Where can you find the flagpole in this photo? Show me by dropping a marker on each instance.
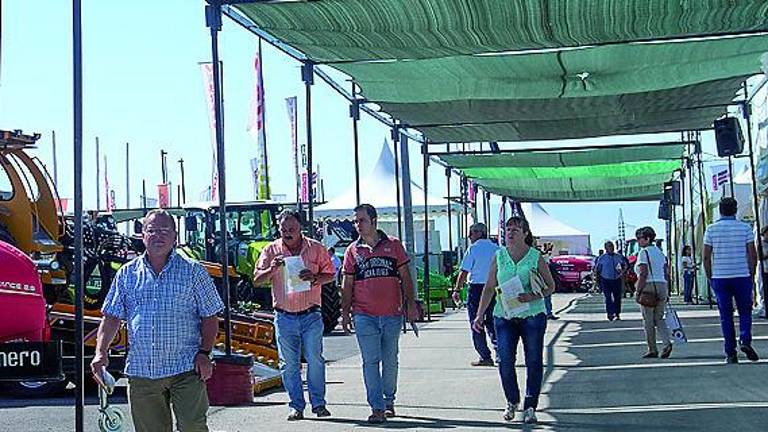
(98, 177)
(263, 122)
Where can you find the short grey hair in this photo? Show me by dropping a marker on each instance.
(160, 212)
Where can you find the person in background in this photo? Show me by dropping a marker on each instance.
(763, 272)
(513, 264)
(336, 261)
(546, 252)
(609, 271)
(688, 274)
(475, 265)
(377, 291)
(651, 269)
(298, 319)
(730, 259)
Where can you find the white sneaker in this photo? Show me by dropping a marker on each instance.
(509, 412)
(529, 416)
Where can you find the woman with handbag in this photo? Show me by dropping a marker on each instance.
(652, 291)
(520, 279)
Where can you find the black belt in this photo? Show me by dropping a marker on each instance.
(304, 312)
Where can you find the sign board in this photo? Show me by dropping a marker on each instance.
(28, 361)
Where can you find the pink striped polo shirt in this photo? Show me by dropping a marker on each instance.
(316, 259)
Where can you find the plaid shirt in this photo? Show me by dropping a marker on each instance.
(163, 313)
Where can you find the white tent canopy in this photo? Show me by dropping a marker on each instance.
(549, 229)
(378, 189)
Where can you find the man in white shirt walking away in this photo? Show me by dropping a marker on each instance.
(477, 263)
(730, 260)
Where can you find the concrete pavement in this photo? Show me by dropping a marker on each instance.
(595, 381)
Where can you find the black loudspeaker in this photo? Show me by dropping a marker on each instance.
(728, 136)
(665, 212)
(672, 192)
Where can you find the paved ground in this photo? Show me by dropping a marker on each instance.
(595, 381)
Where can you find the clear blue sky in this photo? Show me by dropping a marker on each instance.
(142, 85)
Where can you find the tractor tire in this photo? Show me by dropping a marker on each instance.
(331, 307)
(5, 235)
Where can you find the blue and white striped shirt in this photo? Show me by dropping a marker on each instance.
(163, 313)
(728, 239)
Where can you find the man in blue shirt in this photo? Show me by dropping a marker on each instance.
(730, 260)
(609, 270)
(477, 263)
(169, 304)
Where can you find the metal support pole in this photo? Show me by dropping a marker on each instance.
(354, 113)
(77, 84)
(395, 139)
(127, 176)
(213, 21)
(448, 208)
(747, 111)
(425, 152)
(410, 237)
(55, 161)
(183, 190)
(700, 171)
(308, 76)
(98, 176)
(730, 175)
(675, 251)
(692, 225)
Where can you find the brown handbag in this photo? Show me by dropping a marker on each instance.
(648, 298)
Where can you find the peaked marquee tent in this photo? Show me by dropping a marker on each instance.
(378, 189)
(549, 229)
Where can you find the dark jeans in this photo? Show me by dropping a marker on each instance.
(531, 330)
(478, 338)
(726, 290)
(612, 289)
(688, 287)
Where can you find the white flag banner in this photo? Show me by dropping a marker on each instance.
(210, 97)
(257, 130)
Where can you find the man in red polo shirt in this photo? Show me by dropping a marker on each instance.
(298, 320)
(376, 279)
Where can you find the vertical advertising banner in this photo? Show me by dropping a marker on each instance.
(207, 70)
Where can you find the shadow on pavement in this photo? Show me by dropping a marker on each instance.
(610, 388)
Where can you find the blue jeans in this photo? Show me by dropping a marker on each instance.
(548, 305)
(688, 287)
(297, 333)
(612, 290)
(531, 330)
(726, 290)
(478, 338)
(378, 338)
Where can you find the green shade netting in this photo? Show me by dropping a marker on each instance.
(635, 172)
(567, 158)
(661, 102)
(627, 169)
(645, 188)
(588, 72)
(330, 30)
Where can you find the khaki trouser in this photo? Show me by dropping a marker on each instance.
(653, 317)
(151, 401)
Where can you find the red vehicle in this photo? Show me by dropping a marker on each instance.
(27, 357)
(574, 272)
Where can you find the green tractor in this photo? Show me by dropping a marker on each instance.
(251, 226)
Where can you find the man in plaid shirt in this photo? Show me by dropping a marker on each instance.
(169, 304)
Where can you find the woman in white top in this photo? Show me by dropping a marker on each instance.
(651, 272)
